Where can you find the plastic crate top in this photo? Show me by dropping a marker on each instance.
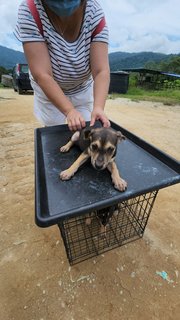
(144, 167)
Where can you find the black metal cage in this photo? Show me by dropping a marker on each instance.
(84, 240)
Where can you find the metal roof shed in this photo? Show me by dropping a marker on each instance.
(119, 82)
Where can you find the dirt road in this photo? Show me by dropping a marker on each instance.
(36, 282)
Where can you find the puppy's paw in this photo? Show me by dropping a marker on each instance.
(120, 184)
(64, 148)
(103, 232)
(66, 174)
(115, 213)
(88, 221)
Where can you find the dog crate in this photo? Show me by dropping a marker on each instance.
(67, 203)
(83, 241)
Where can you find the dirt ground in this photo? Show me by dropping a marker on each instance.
(36, 281)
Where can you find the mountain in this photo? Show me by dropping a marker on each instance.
(125, 60)
(9, 57)
(118, 60)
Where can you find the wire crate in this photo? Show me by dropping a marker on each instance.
(84, 240)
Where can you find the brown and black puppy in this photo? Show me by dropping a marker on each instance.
(104, 216)
(100, 145)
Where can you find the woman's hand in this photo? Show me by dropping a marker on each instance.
(98, 114)
(75, 120)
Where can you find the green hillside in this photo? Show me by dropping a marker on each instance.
(118, 60)
(124, 60)
(9, 57)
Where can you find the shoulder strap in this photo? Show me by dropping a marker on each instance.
(37, 19)
(35, 15)
(99, 28)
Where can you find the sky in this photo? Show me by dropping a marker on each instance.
(134, 25)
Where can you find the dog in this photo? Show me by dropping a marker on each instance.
(100, 145)
(104, 216)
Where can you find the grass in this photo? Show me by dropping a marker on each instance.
(167, 97)
(4, 87)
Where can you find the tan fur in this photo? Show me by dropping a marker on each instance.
(67, 146)
(67, 174)
(118, 182)
(107, 157)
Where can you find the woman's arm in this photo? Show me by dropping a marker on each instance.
(101, 75)
(40, 65)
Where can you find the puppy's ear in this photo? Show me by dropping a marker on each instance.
(120, 136)
(87, 133)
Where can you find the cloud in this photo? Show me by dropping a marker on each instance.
(134, 26)
(143, 25)
(156, 43)
(8, 19)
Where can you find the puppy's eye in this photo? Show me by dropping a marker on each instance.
(110, 150)
(94, 147)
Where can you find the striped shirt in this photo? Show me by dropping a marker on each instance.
(70, 60)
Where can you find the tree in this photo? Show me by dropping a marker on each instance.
(4, 71)
(174, 65)
(171, 65)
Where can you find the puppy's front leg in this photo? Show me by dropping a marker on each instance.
(118, 182)
(67, 146)
(68, 173)
(70, 143)
(103, 231)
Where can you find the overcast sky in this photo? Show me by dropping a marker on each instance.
(134, 25)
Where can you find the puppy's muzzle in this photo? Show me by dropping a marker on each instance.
(99, 166)
(99, 163)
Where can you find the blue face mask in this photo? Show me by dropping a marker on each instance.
(63, 8)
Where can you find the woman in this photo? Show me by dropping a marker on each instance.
(69, 66)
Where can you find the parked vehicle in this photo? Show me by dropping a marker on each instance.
(21, 81)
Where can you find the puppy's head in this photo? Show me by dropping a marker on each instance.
(102, 145)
